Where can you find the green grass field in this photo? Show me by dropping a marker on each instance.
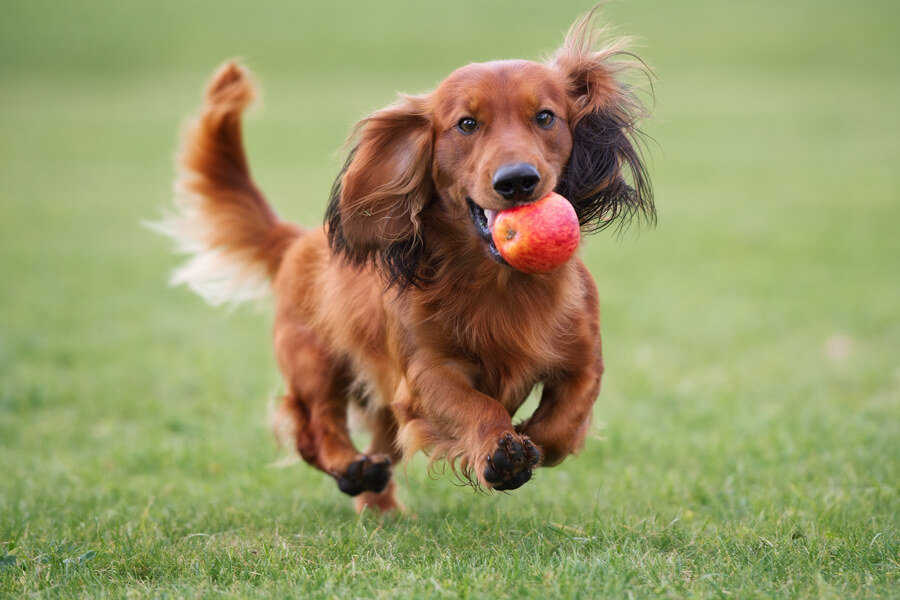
(747, 440)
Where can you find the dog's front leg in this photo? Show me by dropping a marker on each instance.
(440, 410)
(561, 421)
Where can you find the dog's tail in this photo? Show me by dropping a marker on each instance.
(235, 240)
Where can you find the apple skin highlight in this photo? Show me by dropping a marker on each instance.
(538, 237)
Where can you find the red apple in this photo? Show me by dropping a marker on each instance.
(537, 237)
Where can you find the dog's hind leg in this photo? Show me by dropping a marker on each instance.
(316, 403)
(384, 443)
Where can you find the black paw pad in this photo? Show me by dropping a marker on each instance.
(511, 463)
(368, 474)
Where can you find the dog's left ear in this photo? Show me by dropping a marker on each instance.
(375, 203)
(603, 120)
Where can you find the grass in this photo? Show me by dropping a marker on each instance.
(746, 440)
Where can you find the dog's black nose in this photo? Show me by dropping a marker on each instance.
(516, 181)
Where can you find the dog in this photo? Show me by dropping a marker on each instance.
(400, 303)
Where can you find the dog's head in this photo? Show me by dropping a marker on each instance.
(491, 136)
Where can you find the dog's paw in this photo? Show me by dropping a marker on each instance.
(368, 474)
(511, 463)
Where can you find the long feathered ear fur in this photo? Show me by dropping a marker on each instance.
(604, 130)
(373, 214)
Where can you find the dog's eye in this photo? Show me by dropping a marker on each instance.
(467, 125)
(545, 119)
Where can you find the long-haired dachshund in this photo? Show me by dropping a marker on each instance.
(401, 304)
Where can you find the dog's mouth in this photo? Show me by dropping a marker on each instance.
(483, 220)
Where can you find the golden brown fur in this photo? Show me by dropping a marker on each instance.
(398, 304)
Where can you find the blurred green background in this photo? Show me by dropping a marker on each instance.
(752, 338)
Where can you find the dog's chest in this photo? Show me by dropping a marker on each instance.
(510, 344)
(507, 336)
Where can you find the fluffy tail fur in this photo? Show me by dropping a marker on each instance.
(220, 217)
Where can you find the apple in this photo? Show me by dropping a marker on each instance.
(537, 237)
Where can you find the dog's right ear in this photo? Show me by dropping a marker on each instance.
(385, 184)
